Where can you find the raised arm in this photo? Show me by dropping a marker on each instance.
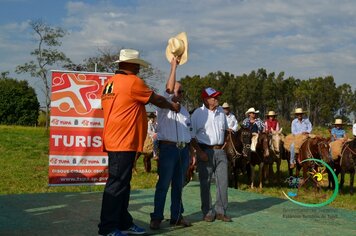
(172, 76)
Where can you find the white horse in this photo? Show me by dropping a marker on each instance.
(276, 148)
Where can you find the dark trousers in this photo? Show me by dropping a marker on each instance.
(114, 208)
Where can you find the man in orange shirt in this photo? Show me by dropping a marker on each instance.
(125, 128)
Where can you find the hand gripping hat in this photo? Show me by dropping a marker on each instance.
(178, 47)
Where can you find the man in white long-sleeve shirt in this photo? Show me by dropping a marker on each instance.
(231, 119)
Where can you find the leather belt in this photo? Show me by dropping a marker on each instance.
(205, 146)
(167, 142)
(171, 143)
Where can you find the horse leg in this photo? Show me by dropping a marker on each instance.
(134, 169)
(352, 176)
(342, 180)
(236, 174)
(270, 172)
(252, 173)
(278, 173)
(262, 168)
(147, 161)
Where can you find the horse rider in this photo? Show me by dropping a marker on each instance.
(255, 124)
(231, 119)
(299, 125)
(271, 123)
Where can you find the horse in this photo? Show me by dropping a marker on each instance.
(237, 148)
(348, 163)
(259, 157)
(317, 148)
(147, 155)
(276, 152)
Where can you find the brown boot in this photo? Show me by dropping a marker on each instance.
(209, 218)
(155, 224)
(180, 222)
(224, 218)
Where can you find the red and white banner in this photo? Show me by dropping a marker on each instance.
(76, 123)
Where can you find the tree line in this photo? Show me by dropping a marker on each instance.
(320, 97)
(265, 91)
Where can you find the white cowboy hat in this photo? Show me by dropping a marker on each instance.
(271, 113)
(131, 56)
(225, 105)
(252, 110)
(299, 111)
(178, 47)
(338, 122)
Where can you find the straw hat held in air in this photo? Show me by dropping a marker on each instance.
(178, 47)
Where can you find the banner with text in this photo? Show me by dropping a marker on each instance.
(76, 123)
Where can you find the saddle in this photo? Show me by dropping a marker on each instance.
(298, 140)
(336, 148)
(148, 145)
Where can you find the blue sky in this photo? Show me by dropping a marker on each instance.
(305, 38)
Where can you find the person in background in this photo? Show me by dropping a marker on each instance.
(231, 119)
(209, 129)
(173, 133)
(255, 124)
(123, 102)
(300, 125)
(152, 132)
(271, 123)
(338, 131)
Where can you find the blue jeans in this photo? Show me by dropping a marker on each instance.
(292, 154)
(172, 168)
(114, 208)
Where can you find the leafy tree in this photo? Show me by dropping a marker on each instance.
(104, 62)
(46, 55)
(19, 104)
(346, 101)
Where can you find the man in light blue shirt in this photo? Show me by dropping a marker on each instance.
(300, 125)
(338, 132)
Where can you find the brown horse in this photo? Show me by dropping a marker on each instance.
(237, 148)
(317, 148)
(259, 157)
(348, 163)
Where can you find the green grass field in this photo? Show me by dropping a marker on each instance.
(24, 169)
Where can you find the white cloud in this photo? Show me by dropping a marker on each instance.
(305, 38)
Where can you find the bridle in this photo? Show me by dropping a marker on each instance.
(235, 153)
